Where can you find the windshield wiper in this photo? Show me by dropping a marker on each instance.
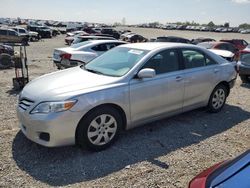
(93, 71)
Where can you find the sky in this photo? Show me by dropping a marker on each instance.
(134, 11)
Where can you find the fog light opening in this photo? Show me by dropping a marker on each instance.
(44, 136)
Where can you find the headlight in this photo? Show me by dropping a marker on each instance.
(48, 107)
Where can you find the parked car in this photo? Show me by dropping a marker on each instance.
(90, 37)
(240, 44)
(229, 56)
(71, 34)
(69, 39)
(6, 49)
(125, 87)
(227, 174)
(246, 31)
(11, 36)
(221, 46)
(31, 35)
(85, 52)
(201, 39)
(124, 35)
(111, 32)
(244, 66)
(172, 39)
(43, 32)
(133, 38)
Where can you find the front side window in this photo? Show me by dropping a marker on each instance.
(193, 59)
(116, 62)
(164, 62)
(3, 32)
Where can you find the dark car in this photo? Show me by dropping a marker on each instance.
(200, 40)
(43, 32)
(110, 31)
(229, 174)
(6, 49)
(172, 39)
(133, 38)
(240, 44)
(244, 66)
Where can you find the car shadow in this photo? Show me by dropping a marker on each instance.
(68, 165)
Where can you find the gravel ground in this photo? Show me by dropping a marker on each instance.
(166, 153)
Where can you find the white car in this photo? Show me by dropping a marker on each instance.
(83, 52)
(31, 34)
(224, 54)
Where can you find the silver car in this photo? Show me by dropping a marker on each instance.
(125, 87)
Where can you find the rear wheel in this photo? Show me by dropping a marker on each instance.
(99, 129)
(217, 99)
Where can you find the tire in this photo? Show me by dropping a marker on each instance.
(5, 61)
(217, 99)
(99, 128)
(245, 78)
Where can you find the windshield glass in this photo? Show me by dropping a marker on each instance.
(116, 62)
(81, 44)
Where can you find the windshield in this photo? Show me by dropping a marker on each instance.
(116, 62)
(81, 44)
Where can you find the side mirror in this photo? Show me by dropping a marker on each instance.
(146, 73)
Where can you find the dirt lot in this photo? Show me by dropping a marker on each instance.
(166, 153)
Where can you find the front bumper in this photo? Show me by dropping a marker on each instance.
(59, 127)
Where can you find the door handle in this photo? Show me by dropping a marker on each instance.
(178, 78)
(216, 70)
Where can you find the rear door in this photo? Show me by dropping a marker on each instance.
(201, 75)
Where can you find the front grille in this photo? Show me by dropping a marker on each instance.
(25, 103)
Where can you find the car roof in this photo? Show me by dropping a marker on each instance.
(156, 45)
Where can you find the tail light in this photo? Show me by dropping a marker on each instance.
(200, 180)
(66, 56)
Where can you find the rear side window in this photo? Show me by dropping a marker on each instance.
(193, 59)
(100, 48)
(3, 32)
(164, 62)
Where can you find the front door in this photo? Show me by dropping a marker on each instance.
(160, 95)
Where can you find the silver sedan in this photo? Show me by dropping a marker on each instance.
(125, 87)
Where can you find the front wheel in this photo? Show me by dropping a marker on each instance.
(99, 129)
(217, 99)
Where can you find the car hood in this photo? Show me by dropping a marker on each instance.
(33, 33)
(64, 84)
